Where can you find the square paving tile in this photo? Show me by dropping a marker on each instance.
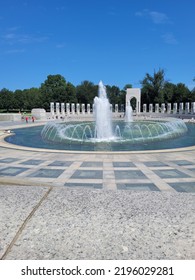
(92, 164)
(188, 187)
(138, 187)
(87, 174)
(61, 163)
(47, 173)
(123, 164)
(192, 169)
(8, 160)
(83, 185)
(155, 163)
(129, 174)
(32, 162)
(182, 162)
(12, 171)
(172, 173)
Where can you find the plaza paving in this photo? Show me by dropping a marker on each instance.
(96, 205)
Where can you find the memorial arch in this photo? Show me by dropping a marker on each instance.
(134, 93)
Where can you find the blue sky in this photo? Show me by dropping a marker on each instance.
(116, 41)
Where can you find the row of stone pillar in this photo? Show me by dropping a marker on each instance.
(181, 108)
(72, 108)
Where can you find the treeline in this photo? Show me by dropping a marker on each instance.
(56, 89)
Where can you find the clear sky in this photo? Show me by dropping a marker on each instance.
(116, 41)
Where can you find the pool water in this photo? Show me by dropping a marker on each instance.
(31, 137)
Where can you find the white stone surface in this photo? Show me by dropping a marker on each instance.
(99, 224)
(134, 92)
(10, 117)
(39, 113)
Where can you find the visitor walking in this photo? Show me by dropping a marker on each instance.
(26, 119)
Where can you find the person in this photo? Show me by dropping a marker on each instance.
(33, 119)
(26, 119)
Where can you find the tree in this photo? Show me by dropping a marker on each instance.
(71, 96)
(168, 92)
(152, 87)
(19, 100)
(127, 86)
(86, 92)
(53, 90)
(181, 93)
(113, 93)
(6, 99)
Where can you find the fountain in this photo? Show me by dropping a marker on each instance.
(103, 128)
(128, 113)
(105, 134)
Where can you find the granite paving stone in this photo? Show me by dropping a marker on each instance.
(8, 160)
(100, 205)
(183, 162)
(129, 174)
(99, 224)
(188, 187)
(173, 173)
(155, 164)
(92, 164)
(16, 203)
(123, 164)
(12, 171)
(87, 174)
(32, 162)
(138, 187)
(47, 173)
(85, 185)
(61, 163)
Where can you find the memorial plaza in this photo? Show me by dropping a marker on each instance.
(95, 205)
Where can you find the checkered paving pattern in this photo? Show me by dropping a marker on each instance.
(101, 171)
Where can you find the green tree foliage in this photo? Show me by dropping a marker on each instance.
(113, 94)
(71, 96)
(152, 87)
(169, 90)
(86, 92)
(181, 94)
(55, 89)
(6, 99)
(156, 90)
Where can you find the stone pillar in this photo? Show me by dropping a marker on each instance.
(88, 109)
(111, 107)
(181, 108)
(67, 108)
(193, 108)
(78, 108)
(187, 108)
(150, 108)
(57, 108)
(175, 108)
(93, 108)
(73, 108)
(83, 108)
(156, 108)
(144, 108)
(169, 108)
(163, 108)
(52, 108)
(62, 109)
